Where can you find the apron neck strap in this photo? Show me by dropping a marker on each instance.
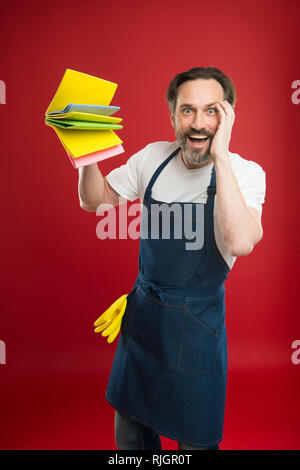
(158, 171)
(211, 189)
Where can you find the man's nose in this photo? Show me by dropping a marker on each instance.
(199, 121)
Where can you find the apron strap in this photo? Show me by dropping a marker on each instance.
(211, 189)
(209, 206)
(161, 290)
(157, 172)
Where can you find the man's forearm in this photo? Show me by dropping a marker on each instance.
(240, 228)
(91, 186)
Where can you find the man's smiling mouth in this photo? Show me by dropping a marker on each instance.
(198, 138)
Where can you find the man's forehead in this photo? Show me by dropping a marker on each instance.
(206, 91)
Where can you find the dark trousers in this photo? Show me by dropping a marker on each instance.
(132, 435)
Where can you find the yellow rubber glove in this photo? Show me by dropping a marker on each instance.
(110, 321)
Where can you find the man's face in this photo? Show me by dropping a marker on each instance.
(196, 116)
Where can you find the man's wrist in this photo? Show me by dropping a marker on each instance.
(222, 161)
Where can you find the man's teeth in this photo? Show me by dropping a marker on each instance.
(199, 137)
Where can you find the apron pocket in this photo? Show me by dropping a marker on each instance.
(199, 345)
(170, 334)
(155, 329)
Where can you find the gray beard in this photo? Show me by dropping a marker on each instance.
(194, 157)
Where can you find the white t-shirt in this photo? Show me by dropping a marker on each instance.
(176, 182)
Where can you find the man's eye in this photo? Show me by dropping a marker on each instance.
(187, 110)
(212, 109)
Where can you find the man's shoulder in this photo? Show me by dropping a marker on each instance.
(152, 154)
(242, 165)
(161, 146)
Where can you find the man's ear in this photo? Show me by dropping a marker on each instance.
(172, 120)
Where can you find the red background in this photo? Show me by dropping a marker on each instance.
(58, 277)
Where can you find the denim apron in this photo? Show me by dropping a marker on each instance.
(170, 367)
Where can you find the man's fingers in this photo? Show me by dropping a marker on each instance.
(226, 112)
(221, 112)
(228, 109)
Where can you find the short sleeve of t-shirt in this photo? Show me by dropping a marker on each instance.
(252, 182)
(125, 179)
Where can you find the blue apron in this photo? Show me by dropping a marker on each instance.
(170, 367)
